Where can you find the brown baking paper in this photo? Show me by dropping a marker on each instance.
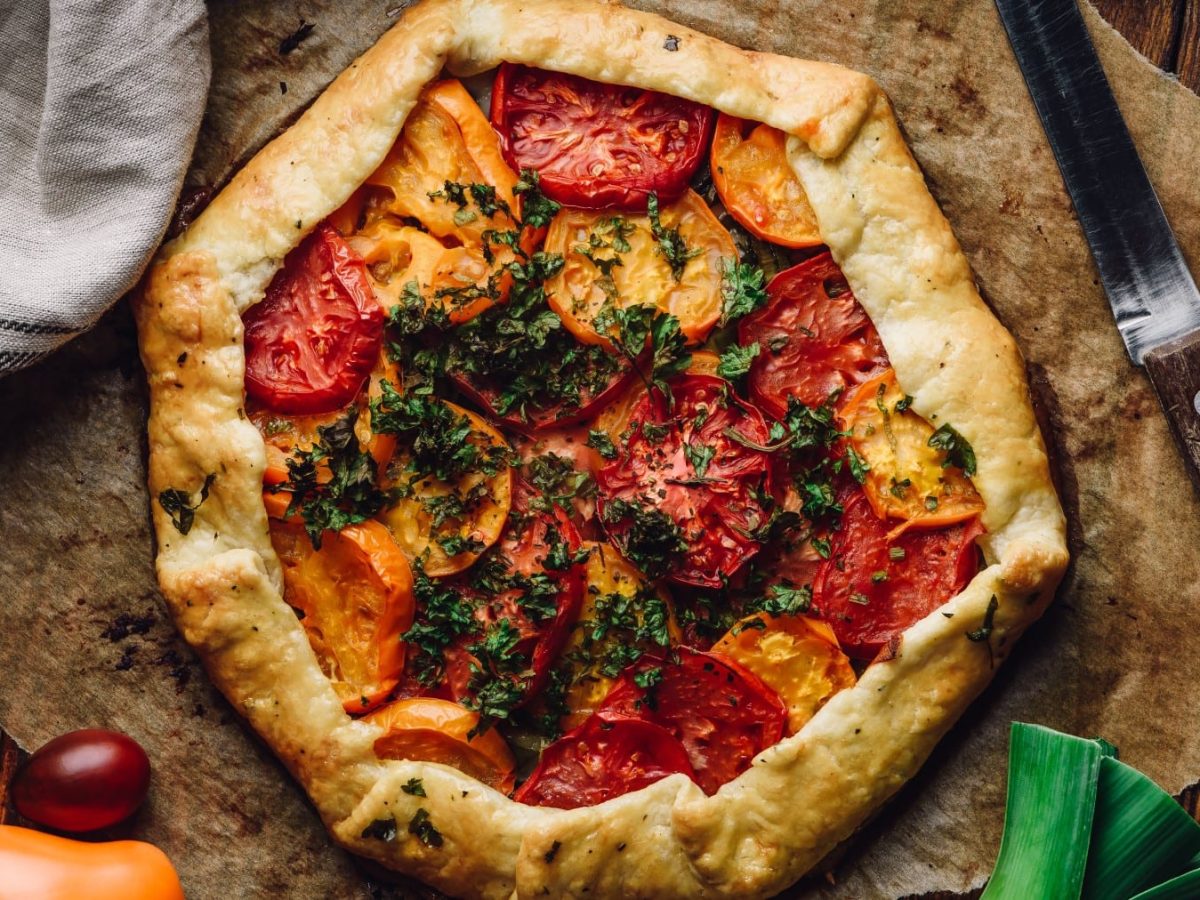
(83, 635)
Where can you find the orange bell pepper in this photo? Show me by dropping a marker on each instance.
(38, 866)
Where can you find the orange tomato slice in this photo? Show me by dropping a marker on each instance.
(284, 436)
(580, 291)
(797, 656)
(434, 730)
(907, 480)
(447, 138)
(355, 599)
(757, 185)
(474, 508)
(617, 596)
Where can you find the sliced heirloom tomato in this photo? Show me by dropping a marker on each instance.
(907, 479)
(446, 146)
(873, 586)
(313, 338)
(615, 418)
(354, 597)
(796, 656)
(440, 731)
(685, 496)
(525, 607)
(603, 758)
(756, 183)
(595, 145)
(284, 436)
(600, 381)
(814, 338)
(447, 525)
(582, 290)
(722, 713)
(623, 618)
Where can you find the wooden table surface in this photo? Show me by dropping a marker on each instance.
(1167, 32)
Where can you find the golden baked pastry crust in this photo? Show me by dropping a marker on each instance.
(802, 796)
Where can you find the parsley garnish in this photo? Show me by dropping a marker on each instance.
(735, 361)
(630, 328)
(414, 787)
(381, 829)
(743, 291)
(557, 481)
(653, 541)
(422, 827)
(536, 208)
(783, 600)
(443, 614)
(858, 466)
(178, 505)
(350, 496)
(984, 631)
(602, 444)
(954, 445)
(699, 455)
(439, 438)
(671, 245)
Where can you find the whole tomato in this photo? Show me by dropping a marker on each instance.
(83, 780)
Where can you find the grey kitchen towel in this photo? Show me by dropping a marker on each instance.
(100, 102)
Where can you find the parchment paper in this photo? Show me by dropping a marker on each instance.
(84, 639)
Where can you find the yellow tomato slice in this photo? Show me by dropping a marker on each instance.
(618, 604)
(907, 480)
(355, 598)
(434, 730)
(757, 185)
(797, 656)
(284, 436)
(580, 291)
(447, 138)
(472, 509)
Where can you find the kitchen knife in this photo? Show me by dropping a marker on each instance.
(1152, 294)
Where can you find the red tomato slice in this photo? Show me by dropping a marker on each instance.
(603, 758)
(814, 338)
(690, 470)
(871, 589)
(313, 339)
(522, 551)
(724, 714)
(486, 394)
(598, 146)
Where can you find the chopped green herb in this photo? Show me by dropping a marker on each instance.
(421, 826)
(536, 208)
(602, 444)
(414, 787)
(653, 541)
(350, 496)
(735, 361)
(699, 456)
(178, 505)
(984, 631)
(860, 598)
(958, 451)
(783, 600)
(670, 242)
(858, 466)
(896, 553)
(381, 829)
(743, 290)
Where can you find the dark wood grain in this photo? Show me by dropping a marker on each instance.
(1150, 25)
(1174, 370)
(1187, 62)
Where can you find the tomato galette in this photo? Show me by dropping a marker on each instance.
(600, 476)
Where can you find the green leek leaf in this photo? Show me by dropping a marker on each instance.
(1141, 836)
(1052, 781)
(1181, 887)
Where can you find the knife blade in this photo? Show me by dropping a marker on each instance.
(1151, 292)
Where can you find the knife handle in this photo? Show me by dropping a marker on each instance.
(1174, 370)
